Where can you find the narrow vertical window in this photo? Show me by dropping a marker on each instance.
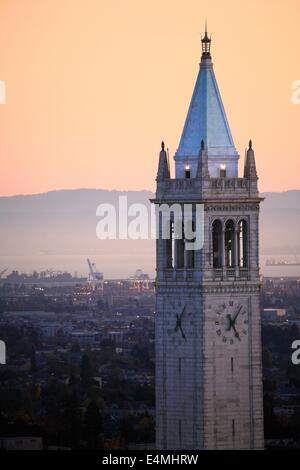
(223, 171)
(187, 171)
(179, 366)
(231, 364)
(217, 243)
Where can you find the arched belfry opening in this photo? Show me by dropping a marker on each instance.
(190, 253)
(170, 245)
(179, 242)
(217, 243)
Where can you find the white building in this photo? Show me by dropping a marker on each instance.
(84, 338)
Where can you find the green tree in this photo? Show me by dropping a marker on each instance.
(93, 426)
(86, 370)
(266, 358)
(33, 366)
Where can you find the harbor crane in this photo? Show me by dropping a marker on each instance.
(95, 277)
(3, 272)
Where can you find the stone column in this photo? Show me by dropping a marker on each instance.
(235, 250)
(161, 251)
(223, 249)
(223, 246)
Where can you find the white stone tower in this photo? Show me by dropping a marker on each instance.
(208, 333)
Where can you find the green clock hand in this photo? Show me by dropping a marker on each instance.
(182, 333)
(236, 333)
(181, 315)
(178, 325)
(237, 314)
(229, 322)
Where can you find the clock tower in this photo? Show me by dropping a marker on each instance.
(208, 332)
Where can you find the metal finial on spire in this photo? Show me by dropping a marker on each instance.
(202, 145)
(163, 146)
(206, 42)
(250, 144)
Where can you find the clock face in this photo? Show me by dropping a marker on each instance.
(231, 322)
(180, 321)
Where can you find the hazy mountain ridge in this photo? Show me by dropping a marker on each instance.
(65, 221)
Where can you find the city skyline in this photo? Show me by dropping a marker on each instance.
(79, 77)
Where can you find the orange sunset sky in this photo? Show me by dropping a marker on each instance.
(93, 86)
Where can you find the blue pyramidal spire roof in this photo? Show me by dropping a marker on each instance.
(206, 119)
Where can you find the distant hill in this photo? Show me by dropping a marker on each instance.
(280, 223)
(63, 224)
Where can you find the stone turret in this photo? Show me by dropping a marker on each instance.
(250, 168)
(163, 172)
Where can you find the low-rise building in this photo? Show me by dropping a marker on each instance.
(273, 315)
(21, 443)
